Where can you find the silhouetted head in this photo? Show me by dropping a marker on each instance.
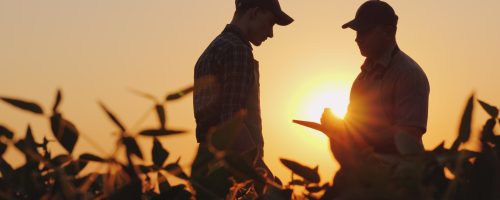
(256, 18)
(375, 24)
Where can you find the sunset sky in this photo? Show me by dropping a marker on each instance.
(95, 50)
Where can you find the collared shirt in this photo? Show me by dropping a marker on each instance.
(226, 79)
(391, 91)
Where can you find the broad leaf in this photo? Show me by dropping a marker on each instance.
(242, 169)
(91, 157)
(132, 147)
(223, 137)
(301, 170)
(3, 147)
(29, 147)
(112, 117)
(176, 170)
(178, 95)
(64, 131)
(487, 135)
(57, 101)
(5, 168)
(491, 110)
(159, 153)
(6, 132)
(25, 105)
(465, 125)
(60, 160)
(143, 94)
(160, 110)
(160, 132)
(163, 183)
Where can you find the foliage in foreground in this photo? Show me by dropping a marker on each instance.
(412, 175)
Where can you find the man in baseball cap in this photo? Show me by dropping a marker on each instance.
(389, 98)
(226, 84)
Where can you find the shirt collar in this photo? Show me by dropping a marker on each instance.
(382, 62)
(231, 28)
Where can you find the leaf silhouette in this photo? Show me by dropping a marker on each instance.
(178, 95)
(465, 125)
(91, 157)
(64, 131)
(241, 168)
(160, 132)
(224, 135)
(112, 117)
(143, 94)
(28, 106)
(491, 110)
(57, 102)
(176, 170)
(132, 147)
(296, 182)
(159, 153)
(5, 168)
(160, 110)
(439, 148)
(314, 189)
(60, 160)
(3, 147)
(6, 132)
(301, 170)
(28, 147)
(488, 134)
(163, 183)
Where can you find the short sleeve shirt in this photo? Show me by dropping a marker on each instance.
(391, 91)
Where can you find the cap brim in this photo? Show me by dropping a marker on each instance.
(283, 19)
(351, 24)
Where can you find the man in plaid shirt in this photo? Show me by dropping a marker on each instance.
(226, 80)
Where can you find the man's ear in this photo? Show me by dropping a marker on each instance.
(252, 12)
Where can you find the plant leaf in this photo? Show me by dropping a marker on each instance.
(160, 132)
(176, 170)
(301, 170)
(163, 183)
(224, 135)
(112, 117)
(465, 125)
(160, 110)
(60, 160)
(64, 131)
(57, 101)
(179, 94)
(5, 131)
(143, 94)
(241, 168)
(5, 168)
(491, 110)
(25, 105)
(132, 147)
(91, 157)
(3, 147)
(159, 153)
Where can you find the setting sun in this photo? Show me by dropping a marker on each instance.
(321, 93)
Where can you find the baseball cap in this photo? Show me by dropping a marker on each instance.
(272, 5)
(371, 14)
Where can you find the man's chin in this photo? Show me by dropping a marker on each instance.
(256, 43)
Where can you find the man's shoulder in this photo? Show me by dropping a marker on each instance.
(403, 64)
(229, 41)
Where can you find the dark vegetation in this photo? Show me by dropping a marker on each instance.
(412, 175)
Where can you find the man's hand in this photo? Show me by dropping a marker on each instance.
(334, 126)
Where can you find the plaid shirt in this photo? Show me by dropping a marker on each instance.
(223, 79)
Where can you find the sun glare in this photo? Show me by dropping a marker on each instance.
(319, 94)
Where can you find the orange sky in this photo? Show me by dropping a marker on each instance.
(95, 50)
